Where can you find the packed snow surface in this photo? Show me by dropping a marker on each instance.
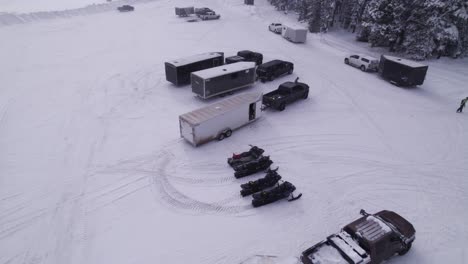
(93, 170)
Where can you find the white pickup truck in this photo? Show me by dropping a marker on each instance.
(363, 62)
(209, 16)
(276, 27)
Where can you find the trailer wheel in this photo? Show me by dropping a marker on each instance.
(221, 136)
(228, 133)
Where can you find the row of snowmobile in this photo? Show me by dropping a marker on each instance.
(265, 190)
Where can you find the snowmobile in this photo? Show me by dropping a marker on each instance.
(253, 153)
(252, 167)
(271, 178)
(282, 191)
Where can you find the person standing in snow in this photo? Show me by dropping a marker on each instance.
(462, 105)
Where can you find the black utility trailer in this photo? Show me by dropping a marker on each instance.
(223, 79)
(402, 72)
(178, 71)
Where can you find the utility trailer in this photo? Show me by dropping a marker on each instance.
(293, 34)
(184, 11)
(223, 79)
(178, 71)
(402, 72)
(219, 120)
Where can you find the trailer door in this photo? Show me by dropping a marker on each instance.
(252, 111)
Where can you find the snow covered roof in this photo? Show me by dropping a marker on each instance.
(200, 115)
(224, 69)
(294, 27)
(195, 58)
(404, 61)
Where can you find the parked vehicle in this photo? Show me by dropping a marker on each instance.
(125, 8)
(184, 11)
(219, 120)
(249, 2)
(209, 16)
(251, 56)
(234, 59)
(273, 69)
(402, 72)
(282, 191)
(293, 34)
(271, 178)
(252, 167)
(275, 27)
(286, 93)
(223, 79)
(246, 55)
(202, 11)
(178, 71)
(244, 157)
(363, 62)
(371, 239)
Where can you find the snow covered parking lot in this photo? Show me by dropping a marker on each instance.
(92, 168)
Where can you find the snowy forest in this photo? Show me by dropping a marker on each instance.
(419, 28)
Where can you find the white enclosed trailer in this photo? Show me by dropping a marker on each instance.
(293, 34)
(218, 120)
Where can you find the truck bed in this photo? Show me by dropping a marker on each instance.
(272, 96)
(336, 249)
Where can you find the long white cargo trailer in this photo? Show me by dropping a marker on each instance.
(219, 120)
(223, 79)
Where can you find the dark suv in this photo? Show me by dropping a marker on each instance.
(272, 69)
(251, 56)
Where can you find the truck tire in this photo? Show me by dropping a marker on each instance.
(228, 133)
(270, 78)
(282, 106)
(290, 71)
(363, 68)
(405, 250)
(221, 136)
(305, 95)
(346, 61)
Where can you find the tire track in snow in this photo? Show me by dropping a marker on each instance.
(179, 200)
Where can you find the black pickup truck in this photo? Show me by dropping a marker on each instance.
(371, 239)
(286, 93)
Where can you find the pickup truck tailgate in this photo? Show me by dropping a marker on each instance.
(337, 249)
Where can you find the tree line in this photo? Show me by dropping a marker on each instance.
(419, 28)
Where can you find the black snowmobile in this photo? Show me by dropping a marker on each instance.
(282, 191)
(271, 178)
(252, 167)
(253, 154)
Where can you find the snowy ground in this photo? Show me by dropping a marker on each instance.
(92, 169)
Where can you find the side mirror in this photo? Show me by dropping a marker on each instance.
(363, 212)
